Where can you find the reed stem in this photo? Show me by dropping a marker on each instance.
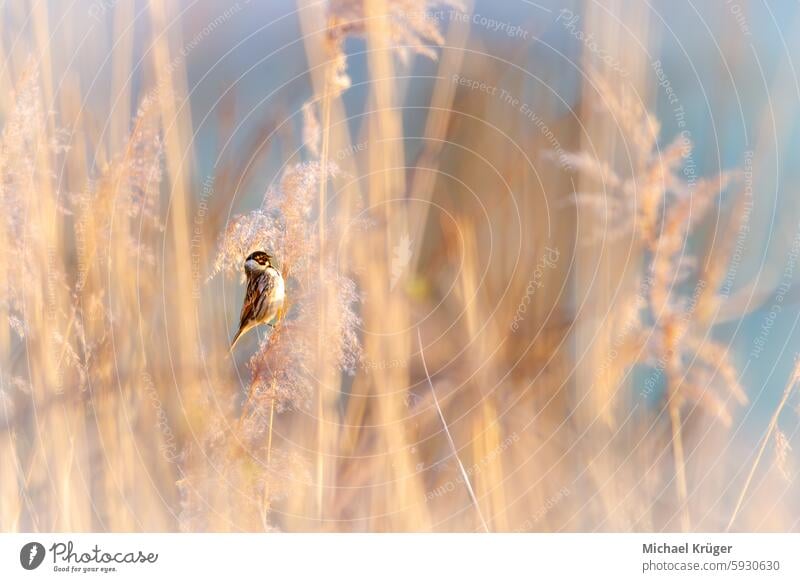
(773, 422)
(450, 438)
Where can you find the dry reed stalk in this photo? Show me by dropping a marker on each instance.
(387, 312)
(488, 446)
(670, 209)
(271, 425)
(773, 423)
(325, 66)
(680, 462)
(450, 441)
(440, 111)
(13, 501)
(314, 25)
(121, 57)
(327, 379)
(599, 267)
(176, 126)
(485, 349)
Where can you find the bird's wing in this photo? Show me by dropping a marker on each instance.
(256, 287)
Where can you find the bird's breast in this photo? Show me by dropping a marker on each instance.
(278, 290)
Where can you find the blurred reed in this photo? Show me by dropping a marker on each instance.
(121, 410)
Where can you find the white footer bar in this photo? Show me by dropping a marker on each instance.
(402, 557)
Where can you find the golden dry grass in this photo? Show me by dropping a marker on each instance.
(451, 358)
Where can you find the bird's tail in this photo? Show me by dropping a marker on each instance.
(238, 335)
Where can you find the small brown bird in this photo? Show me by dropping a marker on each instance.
(264, 296)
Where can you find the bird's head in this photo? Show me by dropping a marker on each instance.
(257, 262)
